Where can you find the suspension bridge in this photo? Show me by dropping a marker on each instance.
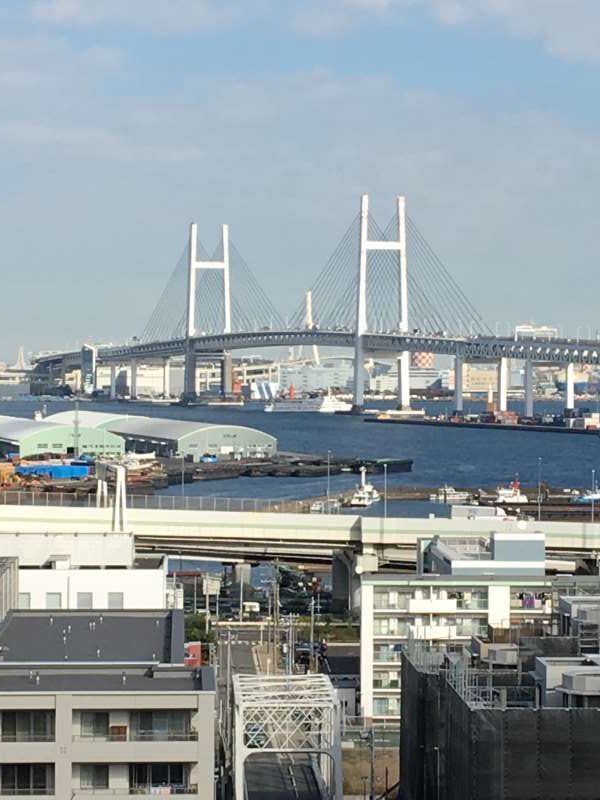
(383, 293)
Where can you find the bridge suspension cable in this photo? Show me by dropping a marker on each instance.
(251, 308)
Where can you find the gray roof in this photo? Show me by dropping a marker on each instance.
(104, 678)
(14, 429)
(91, 419)
(158, 428)
(101, 636)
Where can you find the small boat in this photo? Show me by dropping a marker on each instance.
(585, 499)
(511, 494)
(449, 495)
(365, 493)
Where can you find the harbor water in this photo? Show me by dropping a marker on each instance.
(459, 457)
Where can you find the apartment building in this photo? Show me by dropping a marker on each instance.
(59, 585)
(461, 587)
(100, 703)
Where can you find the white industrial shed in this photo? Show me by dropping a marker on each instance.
(29, 437)
(174, 436)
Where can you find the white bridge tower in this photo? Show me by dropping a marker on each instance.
(366, 246)
(194, 264)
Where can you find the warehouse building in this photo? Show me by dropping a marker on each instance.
(169, 437)
(29, 437)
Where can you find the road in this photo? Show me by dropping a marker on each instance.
(278, 777)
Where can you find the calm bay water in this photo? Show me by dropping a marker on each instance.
(445, 455)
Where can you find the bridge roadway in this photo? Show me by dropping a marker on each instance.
(299, 537)
(475, 348)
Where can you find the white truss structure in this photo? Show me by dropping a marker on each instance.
(288, 714)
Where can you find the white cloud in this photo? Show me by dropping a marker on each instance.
(161, 16)
(569, 29)
(98, 188)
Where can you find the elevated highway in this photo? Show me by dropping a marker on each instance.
(297, 537)
(556, 351)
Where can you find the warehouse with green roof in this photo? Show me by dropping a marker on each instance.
(31, 437)
(169, 437)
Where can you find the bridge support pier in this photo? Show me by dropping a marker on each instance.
(502, 384)
(189, 372)
(113, 381)
(133, 379)
(458, 383)
(403, 365)
(570, 386)
(166, 382)
(226, 375)
(528, 385)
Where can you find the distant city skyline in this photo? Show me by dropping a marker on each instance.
(125, 121)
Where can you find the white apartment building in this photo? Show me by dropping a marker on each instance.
(146, 585)
(461, 587)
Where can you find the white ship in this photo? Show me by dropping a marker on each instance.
(326, 404)
(365, 494)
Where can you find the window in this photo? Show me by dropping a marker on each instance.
(53, 600)
(27, 726)
(160, 725)
(22, 779)
(94, 723)
(143, 776)
(115, 600)
(24, 600)
(93, 776)
(84, 600)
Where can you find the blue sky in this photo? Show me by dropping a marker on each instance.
(121, 122)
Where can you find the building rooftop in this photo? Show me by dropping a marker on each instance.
(86, 677)
(87, 636)
(14, 429)
(159, 428)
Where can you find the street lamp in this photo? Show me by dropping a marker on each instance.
(593, 491)
(385, 466)
(328, 478)
(539, 497)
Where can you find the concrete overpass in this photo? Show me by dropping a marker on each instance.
(298, 536)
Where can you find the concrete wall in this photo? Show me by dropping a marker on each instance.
(141, 588)
(17, 538)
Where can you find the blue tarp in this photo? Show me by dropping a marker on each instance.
(54, 470)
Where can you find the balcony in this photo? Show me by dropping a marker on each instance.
(138, 791)
(434, 605)
(139, 736)
(26, 737)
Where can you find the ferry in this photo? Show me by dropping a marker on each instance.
(323, 404)
(449, 495)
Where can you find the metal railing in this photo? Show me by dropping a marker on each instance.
(159, 502)
(26, 737)
(139, 736)
(136, 790)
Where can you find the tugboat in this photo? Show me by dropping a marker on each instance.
(511, 494)
(365, 493)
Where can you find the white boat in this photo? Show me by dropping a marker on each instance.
(448, 494)
(511, 494)
(365, 493)
(323, 404)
